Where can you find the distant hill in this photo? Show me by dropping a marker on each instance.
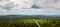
(28, 16)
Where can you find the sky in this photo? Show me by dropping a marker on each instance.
(30, 7)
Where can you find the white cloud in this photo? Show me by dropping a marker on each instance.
(48, 7)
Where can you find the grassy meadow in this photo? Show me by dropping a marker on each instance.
(29, 22)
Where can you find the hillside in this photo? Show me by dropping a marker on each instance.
(29, 16)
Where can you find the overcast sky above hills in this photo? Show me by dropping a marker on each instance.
(42, 7)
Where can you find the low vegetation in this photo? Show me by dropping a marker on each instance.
(29, 22)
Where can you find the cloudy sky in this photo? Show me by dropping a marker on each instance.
(30, 7)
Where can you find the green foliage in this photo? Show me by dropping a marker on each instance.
(29, 22)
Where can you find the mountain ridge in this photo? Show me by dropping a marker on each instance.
(28, 16)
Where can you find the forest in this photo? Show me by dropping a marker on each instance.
(29, 22)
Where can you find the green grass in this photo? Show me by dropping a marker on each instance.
(29, 23)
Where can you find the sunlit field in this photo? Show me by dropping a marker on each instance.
(29, 22)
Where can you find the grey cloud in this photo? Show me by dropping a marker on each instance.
(35, 6)
(30, 8)
(7, 5)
